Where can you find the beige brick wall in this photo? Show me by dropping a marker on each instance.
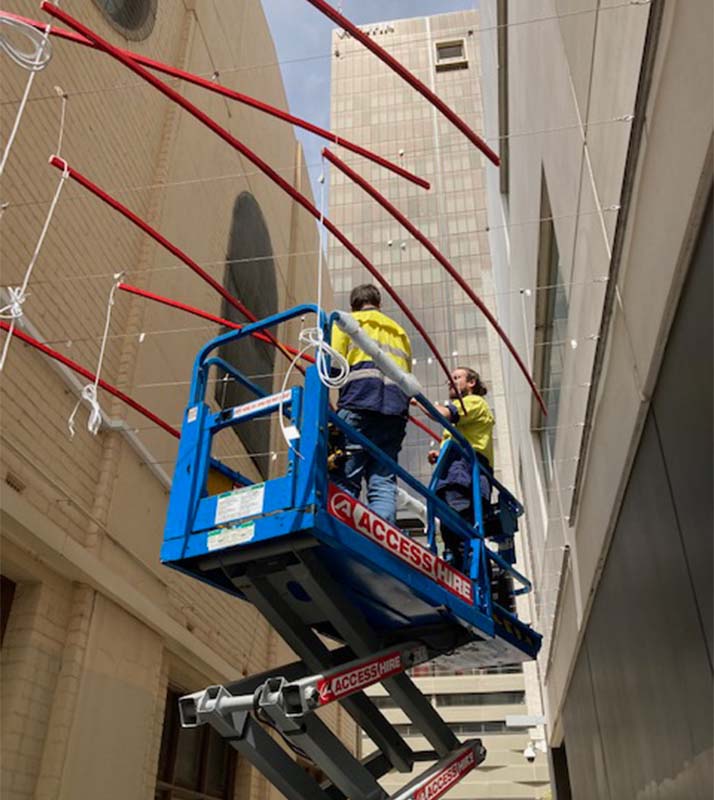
(84, 671)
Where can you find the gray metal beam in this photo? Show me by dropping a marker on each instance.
(249, 738)
(311, 734)
(301, 639)
(321, 587)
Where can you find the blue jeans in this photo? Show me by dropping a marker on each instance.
(387, 433)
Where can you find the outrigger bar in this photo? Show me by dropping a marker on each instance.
(288, 706)
(296, 698)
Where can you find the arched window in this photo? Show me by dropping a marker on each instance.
(249, 275)
(134, 19)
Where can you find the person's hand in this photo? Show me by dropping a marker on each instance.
(432, 456)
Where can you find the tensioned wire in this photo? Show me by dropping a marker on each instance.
(410, 39)
(365, 245)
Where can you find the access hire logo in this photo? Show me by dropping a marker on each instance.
(345, 508)
(357, 678)
(447, 778)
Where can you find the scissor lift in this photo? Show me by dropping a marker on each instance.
(320, 566)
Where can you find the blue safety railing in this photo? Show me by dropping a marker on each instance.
(304, 485)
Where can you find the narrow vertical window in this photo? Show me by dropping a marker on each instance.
(551, 325)
(249, 276)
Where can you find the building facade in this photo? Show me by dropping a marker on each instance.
(601, 238)
(98, 639)
(371, 105)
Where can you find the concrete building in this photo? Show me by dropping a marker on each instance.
(98, 638)
(371, 105)
(601, 238)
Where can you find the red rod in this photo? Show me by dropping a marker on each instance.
(424, 427)
(60, 163)
(125, 287)
(404, 73)
(445, 263)
(263, 166)
(73, 365)
(211, 86)
(167, 301)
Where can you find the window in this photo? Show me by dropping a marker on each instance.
(134, 19)
(463, 699)
(7, 594)
(249, 276)
(451, 55)
(481, 699)
(194, 763)
(551, 326)
(465, 728)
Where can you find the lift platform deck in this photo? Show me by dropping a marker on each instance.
(318, 563)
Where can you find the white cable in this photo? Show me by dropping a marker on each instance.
(89, 392)
(18, 294)
(332, 367)
(42, 46)
(33, 60)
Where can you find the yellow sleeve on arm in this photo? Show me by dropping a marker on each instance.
(408, 351)
(339, 341)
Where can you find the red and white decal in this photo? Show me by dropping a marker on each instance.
(447, 777)
(261, 403)
(345, 508)
(357, 678)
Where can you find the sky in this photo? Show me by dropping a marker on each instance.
(302, 39)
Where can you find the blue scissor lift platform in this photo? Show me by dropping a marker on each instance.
(320, 565)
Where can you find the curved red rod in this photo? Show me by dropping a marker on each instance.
(404, 73)
(424, 427)
(167, 301)
(245, 99)
(97, 191)
(263, 166)
(90, 376)
(125, 287)
(445, 263)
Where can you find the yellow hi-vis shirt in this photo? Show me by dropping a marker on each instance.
(367, 387)
(476, 425)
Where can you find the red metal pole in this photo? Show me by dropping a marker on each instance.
(167, 301)
(90, 376)
(420, 237)
(97, 191)
(125, 287)
(404, 73)
(263, 166)
(424, 427)
(245, 99)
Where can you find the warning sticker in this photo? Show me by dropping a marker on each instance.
(225, 537)
(240, 503)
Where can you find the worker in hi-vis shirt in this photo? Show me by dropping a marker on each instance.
(372, 403)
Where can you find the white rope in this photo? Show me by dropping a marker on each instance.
(63, 97)
(33, 61)
(89, 392)
(332, 367)
(18, 294)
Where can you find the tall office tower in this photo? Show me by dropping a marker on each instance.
(371, 105)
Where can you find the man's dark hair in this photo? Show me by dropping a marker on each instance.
(472, 376)
(365, 295)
